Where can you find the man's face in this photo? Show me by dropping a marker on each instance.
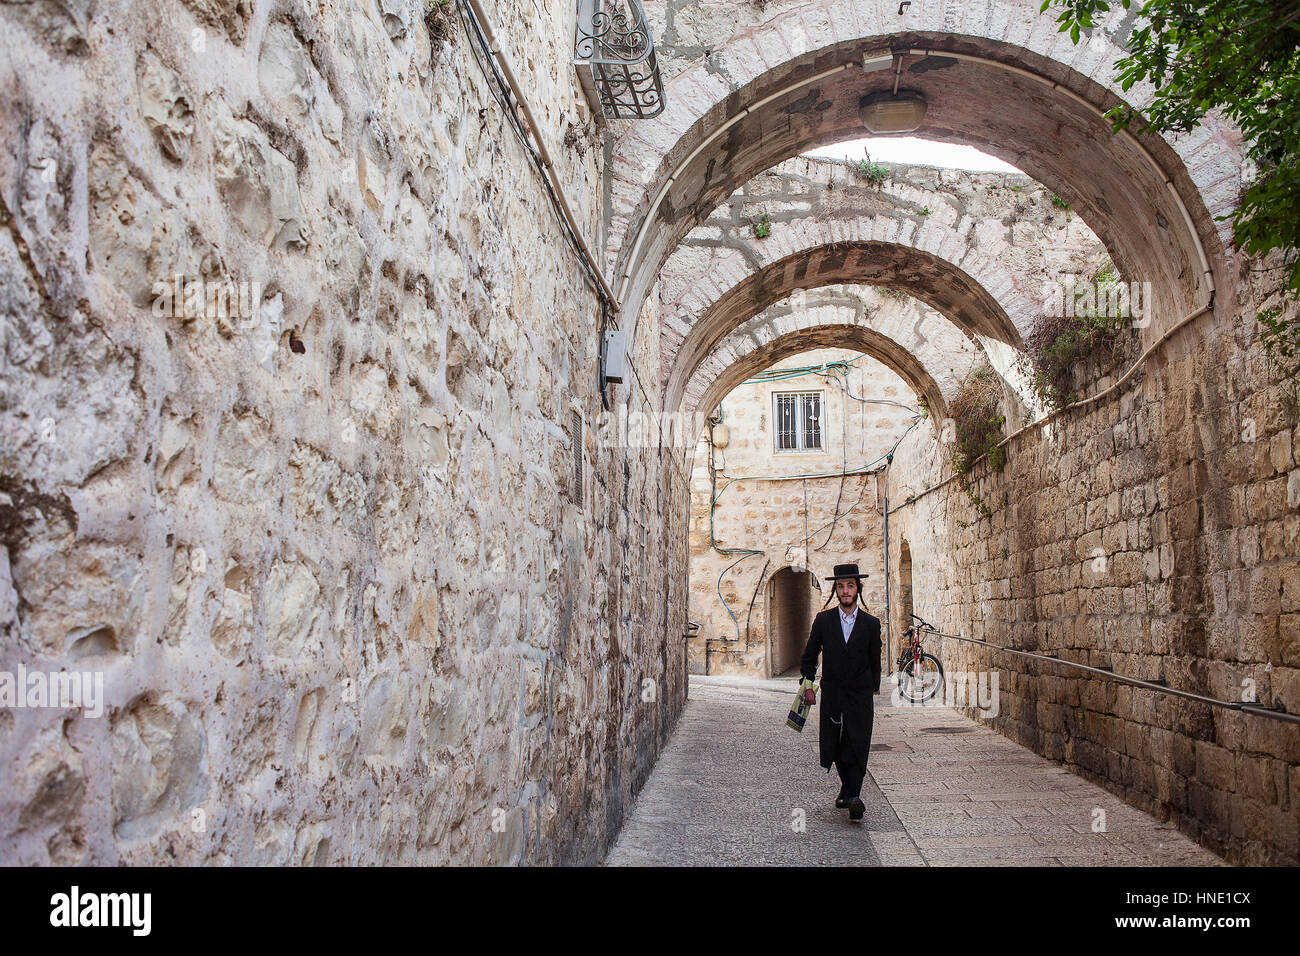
(846, 589)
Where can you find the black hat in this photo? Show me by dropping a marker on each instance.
(846, 571)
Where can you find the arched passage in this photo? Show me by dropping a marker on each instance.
(937, 283)
(849, 336)
(967, 219)
(767, 339)
(1008, 84)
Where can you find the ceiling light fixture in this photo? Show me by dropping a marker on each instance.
(886, 112)
(877, 60)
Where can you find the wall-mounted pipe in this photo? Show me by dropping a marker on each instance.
(1056, 86)
(1246, 707)
(593, 264)
(1082, 403)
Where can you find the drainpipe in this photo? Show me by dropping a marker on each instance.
(888, 627)
(589, 258)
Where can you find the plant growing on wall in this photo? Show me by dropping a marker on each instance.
(763, 228)
(1061, 346)
(1238, 58)
(874, 173)
(976, 422)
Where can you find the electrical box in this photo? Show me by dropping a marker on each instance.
(615, 355)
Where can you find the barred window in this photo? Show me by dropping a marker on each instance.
(575, 436)
(798, 418)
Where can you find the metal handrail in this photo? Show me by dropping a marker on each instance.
(1245, 707)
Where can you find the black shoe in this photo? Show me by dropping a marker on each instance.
(856, 809)
(841, 803)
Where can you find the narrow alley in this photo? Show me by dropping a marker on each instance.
(734, 786)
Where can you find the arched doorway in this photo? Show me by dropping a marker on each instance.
(789, 618)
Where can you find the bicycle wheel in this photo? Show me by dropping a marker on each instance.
(921, 679)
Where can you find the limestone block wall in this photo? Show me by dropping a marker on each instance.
(323, 543)
(1157, 533)
(793, 522)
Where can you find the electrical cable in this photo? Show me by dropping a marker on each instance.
(888, 458)
(758, 584)
(742, 553)
(747, 552)
(504, 89)
(844, 440)
(825, 369)
(724, 600)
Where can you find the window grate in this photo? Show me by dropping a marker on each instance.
(798, 418)
(575, 433)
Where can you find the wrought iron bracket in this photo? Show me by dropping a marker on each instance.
(615, 55)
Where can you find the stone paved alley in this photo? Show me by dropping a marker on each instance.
(399, 399)
(942, 790)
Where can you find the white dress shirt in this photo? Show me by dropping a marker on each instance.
(847, 621)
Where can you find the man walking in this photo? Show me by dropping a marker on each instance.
(848, 640)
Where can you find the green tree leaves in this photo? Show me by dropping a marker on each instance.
(1240, 58)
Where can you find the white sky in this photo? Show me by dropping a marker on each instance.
(909, 149)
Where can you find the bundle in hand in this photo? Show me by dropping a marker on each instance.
(799, 712)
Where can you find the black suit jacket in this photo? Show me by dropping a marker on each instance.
(850, 678)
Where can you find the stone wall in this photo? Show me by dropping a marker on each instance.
(793, 522)
(1156, 533)
(323, 544)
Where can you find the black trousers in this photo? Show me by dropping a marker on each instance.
(851, 772)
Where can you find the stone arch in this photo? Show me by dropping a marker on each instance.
(927, 351)
(788, 613)
(998, 76)
(1005, 314)
(936, 282)
(980, 221)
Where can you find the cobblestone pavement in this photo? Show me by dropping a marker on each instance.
(736, 786)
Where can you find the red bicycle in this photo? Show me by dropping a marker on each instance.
(920, 675)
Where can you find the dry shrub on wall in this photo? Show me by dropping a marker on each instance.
(977, 424)
(1061, 348)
